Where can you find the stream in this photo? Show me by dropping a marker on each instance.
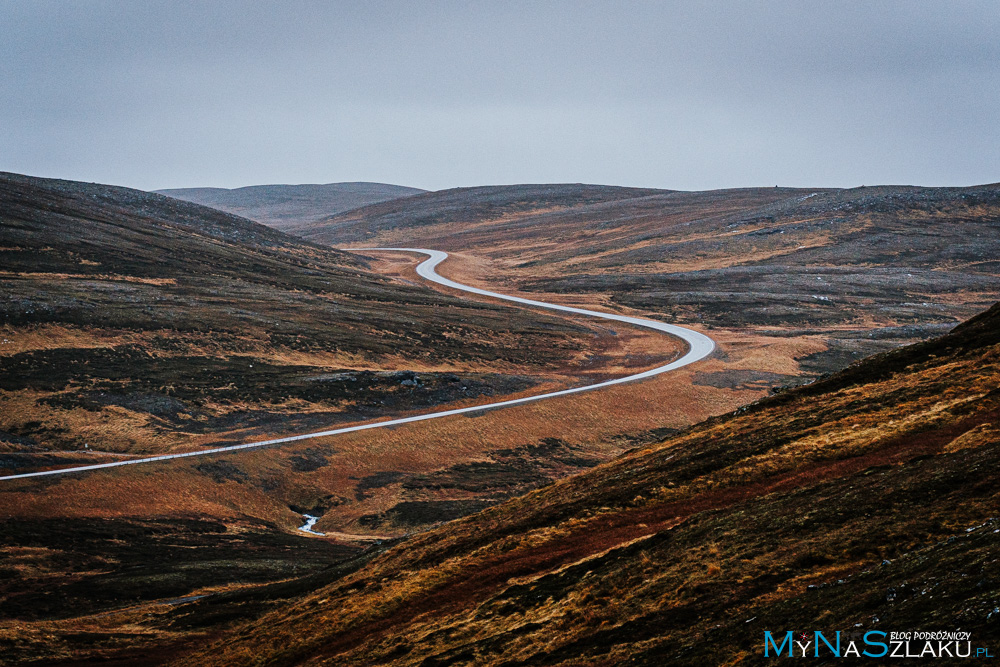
(307, 527)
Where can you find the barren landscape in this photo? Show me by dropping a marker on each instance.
(139, 325)
(863, 501)
(499, 334)
(907, 260)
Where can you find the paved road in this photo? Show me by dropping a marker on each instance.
(699, 347)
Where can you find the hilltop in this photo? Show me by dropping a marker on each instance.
(281, 206)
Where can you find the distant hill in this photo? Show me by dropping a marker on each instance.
(861, 269)
(281, 205)
(430, 212)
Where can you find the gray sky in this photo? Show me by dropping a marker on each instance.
(693, 95)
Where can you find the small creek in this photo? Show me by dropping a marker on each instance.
(307, 527)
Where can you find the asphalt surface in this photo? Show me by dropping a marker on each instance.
(699, 347)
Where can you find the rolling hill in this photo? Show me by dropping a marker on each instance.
(456, 209)
(137, 324)
(865, 501)
(281, 206)
(858, 271)
(185, 322)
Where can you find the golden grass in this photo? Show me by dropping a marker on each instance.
(113, 277)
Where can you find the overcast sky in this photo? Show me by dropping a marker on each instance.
(691, 96)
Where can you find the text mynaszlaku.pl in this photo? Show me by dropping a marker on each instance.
(873, 644)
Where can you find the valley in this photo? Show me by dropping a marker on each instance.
(493, 334)
(142, 326)
(863, 501)
(853, 272)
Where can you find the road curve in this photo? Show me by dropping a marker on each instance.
(699, 347)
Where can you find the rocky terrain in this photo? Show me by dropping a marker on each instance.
(283, 206)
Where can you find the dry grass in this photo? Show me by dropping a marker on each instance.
(587, 571)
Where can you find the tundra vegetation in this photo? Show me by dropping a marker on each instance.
(674, 518)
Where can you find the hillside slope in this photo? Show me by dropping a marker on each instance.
(867, 500)
(280, 206)
(133, 322)
(856, 271)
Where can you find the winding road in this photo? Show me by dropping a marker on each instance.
(699, 347)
